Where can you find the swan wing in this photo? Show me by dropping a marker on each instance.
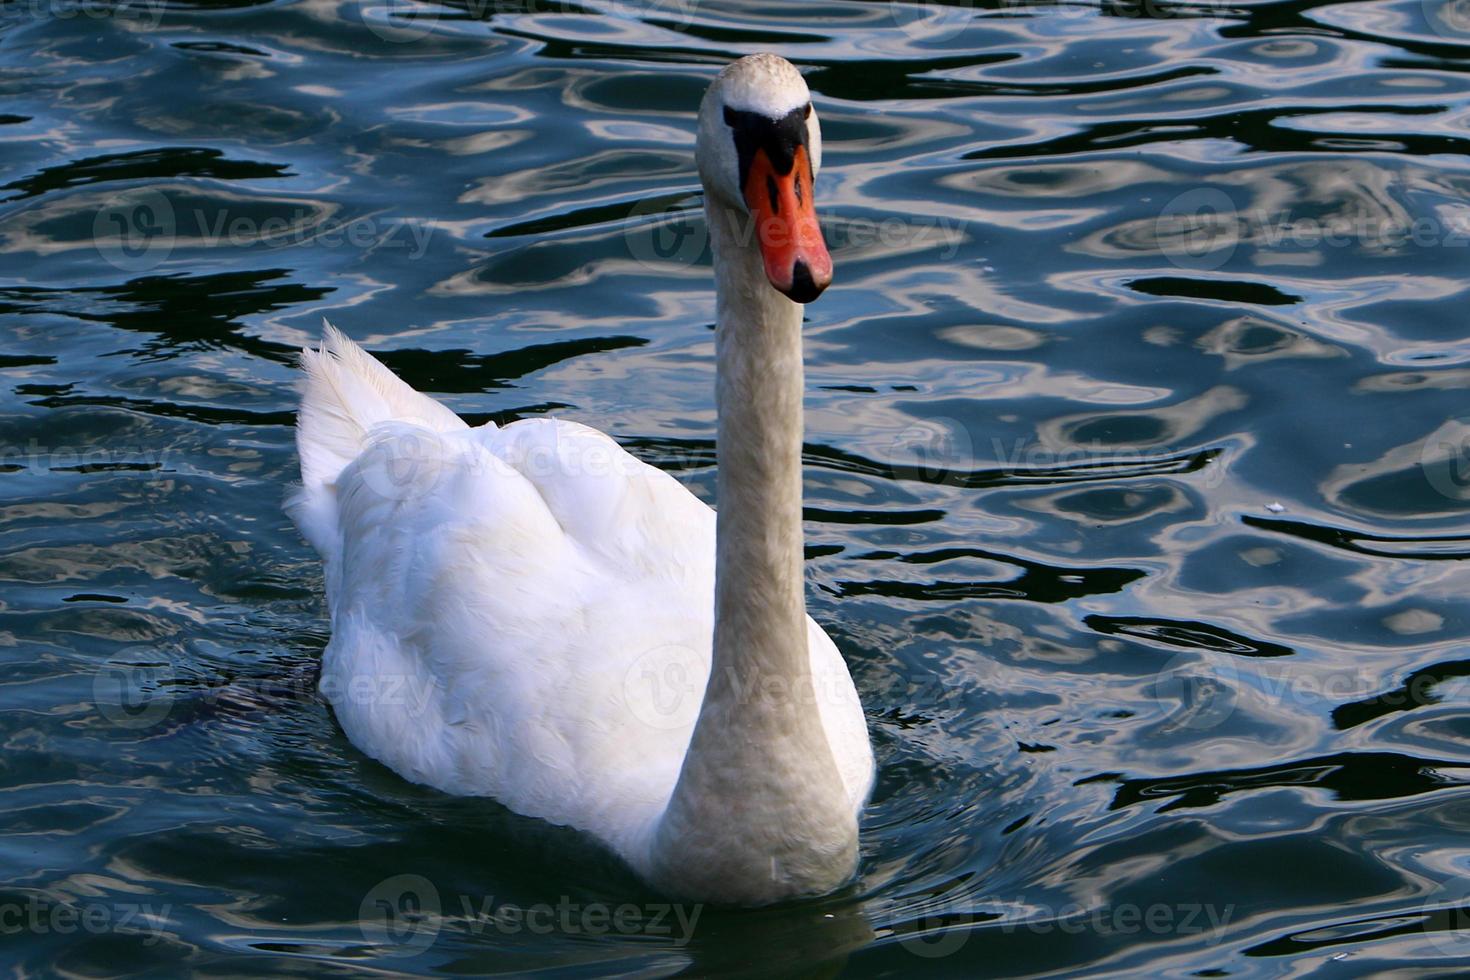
(510, 593)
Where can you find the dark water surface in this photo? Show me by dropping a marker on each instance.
(1136, 468)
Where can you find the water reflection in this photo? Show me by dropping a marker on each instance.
(1134, 461)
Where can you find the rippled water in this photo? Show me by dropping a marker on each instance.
(1136, 466)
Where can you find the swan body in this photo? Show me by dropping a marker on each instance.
(530, 613)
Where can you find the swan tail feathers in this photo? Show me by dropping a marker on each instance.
(346, 393)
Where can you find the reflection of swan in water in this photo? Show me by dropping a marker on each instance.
(510, 605)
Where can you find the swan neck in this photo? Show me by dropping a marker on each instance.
(760, 610)
(759, 812)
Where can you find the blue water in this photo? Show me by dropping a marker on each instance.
(1136, 470)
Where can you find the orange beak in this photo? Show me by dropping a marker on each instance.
(785, 214)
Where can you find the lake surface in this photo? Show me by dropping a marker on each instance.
(1137, 468)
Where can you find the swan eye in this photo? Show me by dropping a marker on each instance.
(780, 138)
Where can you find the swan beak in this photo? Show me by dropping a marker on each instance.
(785, 214)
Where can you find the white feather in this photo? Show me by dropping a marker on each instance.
(522, 612)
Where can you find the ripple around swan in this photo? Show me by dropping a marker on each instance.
(1135, 455)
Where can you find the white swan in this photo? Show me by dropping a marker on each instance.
(532, 614)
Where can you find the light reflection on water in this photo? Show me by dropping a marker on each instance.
(1135, 469)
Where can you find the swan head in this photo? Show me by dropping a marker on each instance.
(759, 149)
